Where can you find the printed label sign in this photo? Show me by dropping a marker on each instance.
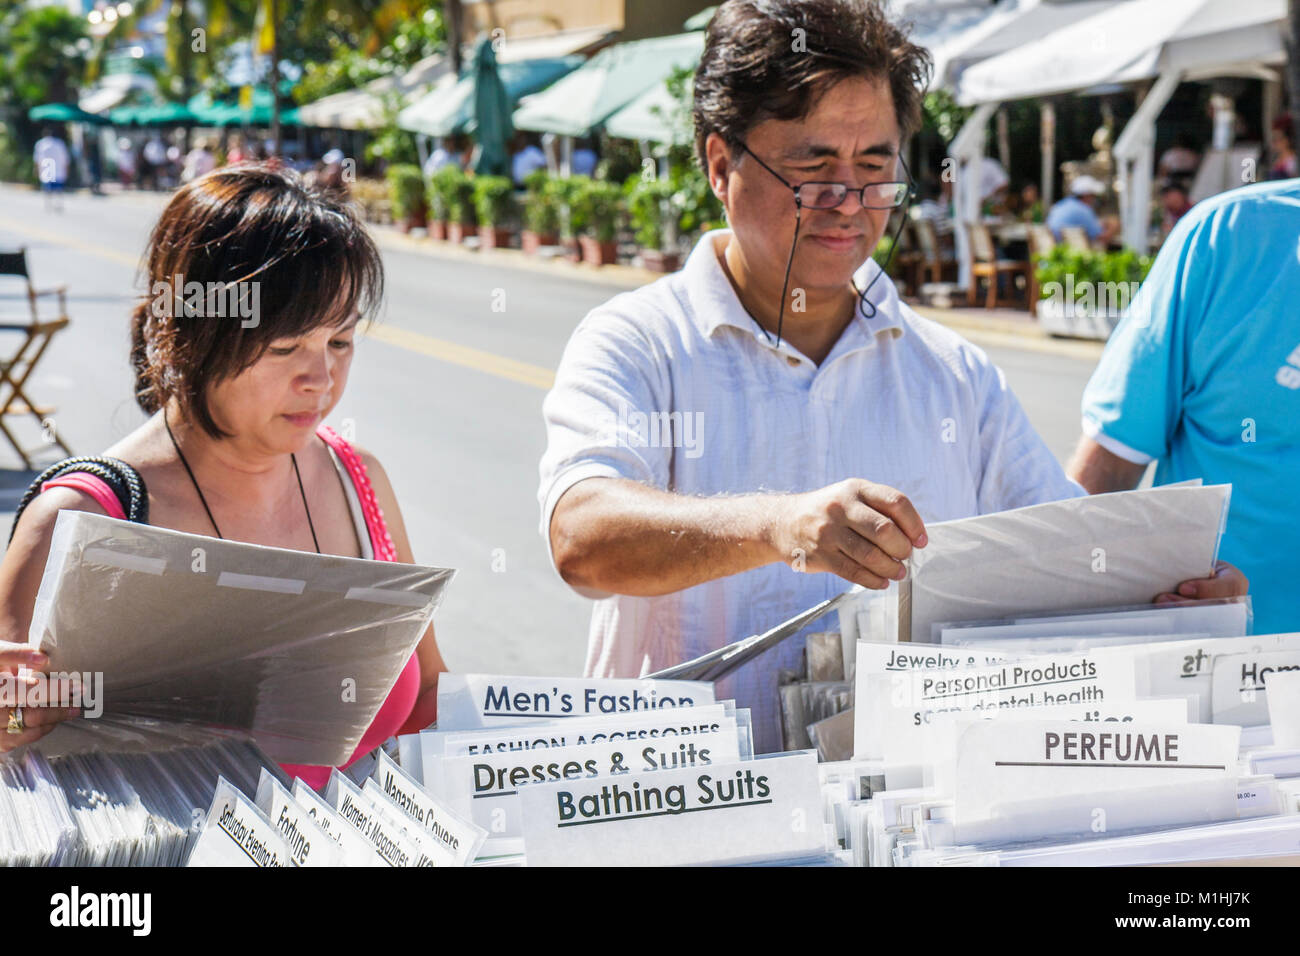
(749, 811)
(466, 701)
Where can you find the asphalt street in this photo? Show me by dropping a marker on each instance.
(446, 391)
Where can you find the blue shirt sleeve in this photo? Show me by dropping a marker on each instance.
(1136, 393)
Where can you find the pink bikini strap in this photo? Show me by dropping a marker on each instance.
(89, 484)
(380, 540)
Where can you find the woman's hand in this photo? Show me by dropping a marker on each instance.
(1226, 581)
(36, 721)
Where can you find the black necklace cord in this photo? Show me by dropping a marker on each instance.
(863, 304)
(789, 262)
(294, 459)
(204, 501)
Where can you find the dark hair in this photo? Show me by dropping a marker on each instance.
(773, 59)
(311, 257)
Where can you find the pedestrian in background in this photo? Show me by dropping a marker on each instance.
(50, 155)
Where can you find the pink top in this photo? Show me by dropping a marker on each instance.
(401, 699)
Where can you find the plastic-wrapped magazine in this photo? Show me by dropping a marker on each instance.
(299, 649)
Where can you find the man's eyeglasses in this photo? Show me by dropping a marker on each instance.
(831, 195)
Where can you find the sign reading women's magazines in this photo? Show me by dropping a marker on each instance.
(467, 701)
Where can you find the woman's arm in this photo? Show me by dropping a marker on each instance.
(425, 710)
(20, 578)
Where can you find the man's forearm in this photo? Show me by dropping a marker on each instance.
(1101, 471)
(621, 536)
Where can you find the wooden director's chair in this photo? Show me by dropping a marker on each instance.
(18, 367)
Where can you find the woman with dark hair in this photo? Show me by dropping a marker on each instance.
(241, 348)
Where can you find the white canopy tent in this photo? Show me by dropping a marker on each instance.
(364, 108)
(1011, 26)
(1167, 41)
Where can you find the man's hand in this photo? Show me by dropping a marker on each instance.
(1226, 581)
(856, 529)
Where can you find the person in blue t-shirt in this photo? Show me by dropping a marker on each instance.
(1202, 375)
(1080, 209)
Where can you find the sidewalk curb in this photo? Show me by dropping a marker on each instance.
(983, 330)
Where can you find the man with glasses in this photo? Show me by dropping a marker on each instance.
(734, 443)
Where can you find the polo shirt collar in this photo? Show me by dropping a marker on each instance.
(712, 301)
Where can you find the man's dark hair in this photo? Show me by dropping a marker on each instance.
(773, 59)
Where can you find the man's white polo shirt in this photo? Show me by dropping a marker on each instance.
(675, 385)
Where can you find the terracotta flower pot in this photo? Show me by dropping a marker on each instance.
(457, 231)
(598, 253)
(532, 241)
(572, 251)
(417, 218)
(658, 261)
(492, 237)
(438, 229)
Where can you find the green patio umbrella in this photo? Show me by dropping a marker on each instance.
(448, 108)
(491, 113)
(63, 113)
(582, 101)
(650, 117)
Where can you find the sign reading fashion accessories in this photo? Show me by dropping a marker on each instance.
(466, 701)
(751, 811)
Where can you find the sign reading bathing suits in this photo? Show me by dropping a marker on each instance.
(767, 809)
(486, 786)
(1027, 779)
(467, 701)
(236, 834)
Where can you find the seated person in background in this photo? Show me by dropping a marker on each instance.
(1180, 160)
(1282, 150)
(1080, 209)
(235, 447)
(1174, 203)
(1031, 203)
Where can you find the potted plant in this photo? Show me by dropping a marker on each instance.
(654, 218)
(494, 203)
(460, 207)
(1083, 293)
(441, 187)
(573, 216)
(599, 203)
(541, 212)
(406, 193)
